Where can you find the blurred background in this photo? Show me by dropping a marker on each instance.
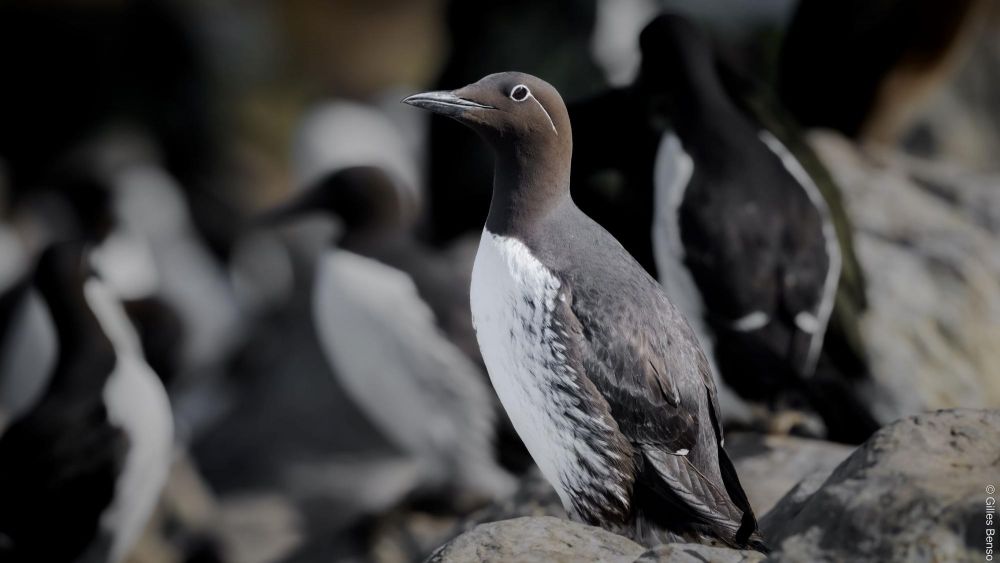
(293, 246)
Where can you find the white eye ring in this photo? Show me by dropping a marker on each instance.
(517, 89)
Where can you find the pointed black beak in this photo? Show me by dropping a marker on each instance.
(444, 103)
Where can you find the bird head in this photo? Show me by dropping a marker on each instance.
(507, 109)
(671, 47)
(362, 197)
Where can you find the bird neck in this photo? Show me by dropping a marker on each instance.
(700, 98)
(529, 181)
(364, 240)
(86, 355)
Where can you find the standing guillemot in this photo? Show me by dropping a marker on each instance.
(389, 348)
(600, 374)
(701, 196)
(742, 231)
(86, 463)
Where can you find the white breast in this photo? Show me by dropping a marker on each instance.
(672, 172)
(28, 355)
(513, 298)
(137, 403)
(390, 356)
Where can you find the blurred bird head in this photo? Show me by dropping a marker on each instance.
(672, 48)
(366, 199)
(507, 109)
(88, 211)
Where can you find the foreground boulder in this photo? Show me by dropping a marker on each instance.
(696, 553)
(914, 492)
(538, 539)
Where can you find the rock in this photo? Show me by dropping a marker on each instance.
(537, 539)
(933, 278)
(410, 533)
(534, 497)
(914, 492)
(769, 466)
(697, 553)
(260, 527)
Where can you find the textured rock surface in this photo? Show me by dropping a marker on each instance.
(695, 553)
(769, 466)
(537, 539)
(914, 492)
(933, 273)
(408, 533)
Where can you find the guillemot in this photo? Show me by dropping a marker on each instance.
(743, 230)
(600, 374)
(389, 347)
(86, 462)
(718, 199)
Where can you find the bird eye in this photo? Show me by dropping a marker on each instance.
(520, 93)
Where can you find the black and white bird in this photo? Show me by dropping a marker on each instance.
(600, 374)
(112, 193)
(83, 462)
(742, 238)
(380, 307)
(27, 337)
(735, 210)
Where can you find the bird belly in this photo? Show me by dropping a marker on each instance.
(513, 297)
(137, 403)
(672, 173)
(27, 357)
(382, 340)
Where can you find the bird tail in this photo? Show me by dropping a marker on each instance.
(747, 533)
(710, 510)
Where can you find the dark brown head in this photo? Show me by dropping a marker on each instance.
(507, 108)
(674, 51)
(680, 75)
(368, 199)
(525, 120)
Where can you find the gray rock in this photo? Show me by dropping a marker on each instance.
(914, 492)
(534, 497)
(409, 534)
(537, 539)
(933, 279)
(769, 466)
(697, 553)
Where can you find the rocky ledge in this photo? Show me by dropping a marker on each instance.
(914, 492)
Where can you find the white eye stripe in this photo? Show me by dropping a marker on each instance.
(552, 123)
(525, 94)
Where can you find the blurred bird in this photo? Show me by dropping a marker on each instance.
(741, 236)
(384, 307)
(82, 467)
(600, 374)
(112, 193)
(27, 337)
(28, 350)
